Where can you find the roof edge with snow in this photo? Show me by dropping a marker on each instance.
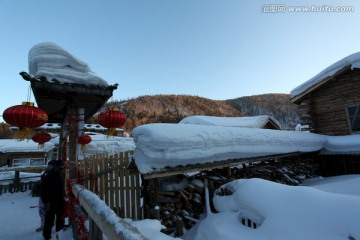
(350, 62)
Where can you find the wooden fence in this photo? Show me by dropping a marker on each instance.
(20, 183)
(107, 176)
(110, 178)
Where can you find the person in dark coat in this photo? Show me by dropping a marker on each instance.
(53, 197)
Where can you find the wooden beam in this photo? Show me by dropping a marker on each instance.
(104, 216)
(214, 165)
(73, 135)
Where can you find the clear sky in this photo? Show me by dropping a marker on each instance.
(217, 49)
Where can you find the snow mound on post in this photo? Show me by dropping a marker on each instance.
(57, 65)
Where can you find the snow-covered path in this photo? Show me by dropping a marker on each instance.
(18, 220)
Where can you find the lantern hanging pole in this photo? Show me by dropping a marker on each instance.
(29, 93)
(81, 121)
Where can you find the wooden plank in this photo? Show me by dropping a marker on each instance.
(90, 172)
(133, 195)
(122, 188)
(138, 194)
(85, 171)
(95, 177)
(107, 182)
(127, 189)
(117, 184)
(102, 179)
(111, 182)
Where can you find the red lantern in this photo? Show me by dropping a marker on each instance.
(26, 117)
(41, 138)
(112, 119)
(83, 140)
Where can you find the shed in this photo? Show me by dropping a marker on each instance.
(24, 153)
(330, 101)
(262, 121)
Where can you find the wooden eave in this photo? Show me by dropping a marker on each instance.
(270, 122)
(214, 165)
(55, 98)
(297, 99)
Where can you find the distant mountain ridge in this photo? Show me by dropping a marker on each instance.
(173, 108)
(275, 105)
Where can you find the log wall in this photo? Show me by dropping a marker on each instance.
(324, 109)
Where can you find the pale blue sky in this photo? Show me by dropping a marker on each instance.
(217, 49)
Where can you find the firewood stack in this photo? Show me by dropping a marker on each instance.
(288, 172)
(181, 204)
(179, 200)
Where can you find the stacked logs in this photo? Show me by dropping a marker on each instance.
(179, 201)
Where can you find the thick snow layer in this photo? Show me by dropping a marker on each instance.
(342, 145)
(281, 212)
(352, 60)
(101, 143)
(169, 145)
(338, 184)
(12, 145)
(57, 65)
(248, 122)
(104, 144)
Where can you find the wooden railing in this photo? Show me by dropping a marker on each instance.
(104, 218)
(17, 185)
(107, 183)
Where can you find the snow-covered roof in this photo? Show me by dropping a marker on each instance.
(164, 145)
(98, 127)
(51, 126)
(170, 145)
(57, 126)
(352, 61)
(248, 122)
(342, 145)
(102, 143)
(12, 145)
(49, 60)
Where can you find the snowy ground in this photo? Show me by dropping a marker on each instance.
(19, 218)
(285, 212)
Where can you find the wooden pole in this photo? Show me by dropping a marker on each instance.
(73, 135)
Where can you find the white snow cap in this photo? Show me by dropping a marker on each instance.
(13, 145)
(163, 145)
(247, 122)
(352, 60)
(51, 61)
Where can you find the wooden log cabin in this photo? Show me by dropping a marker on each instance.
(330, 101)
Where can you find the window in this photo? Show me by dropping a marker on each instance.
(24, 162)
(354, 118)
